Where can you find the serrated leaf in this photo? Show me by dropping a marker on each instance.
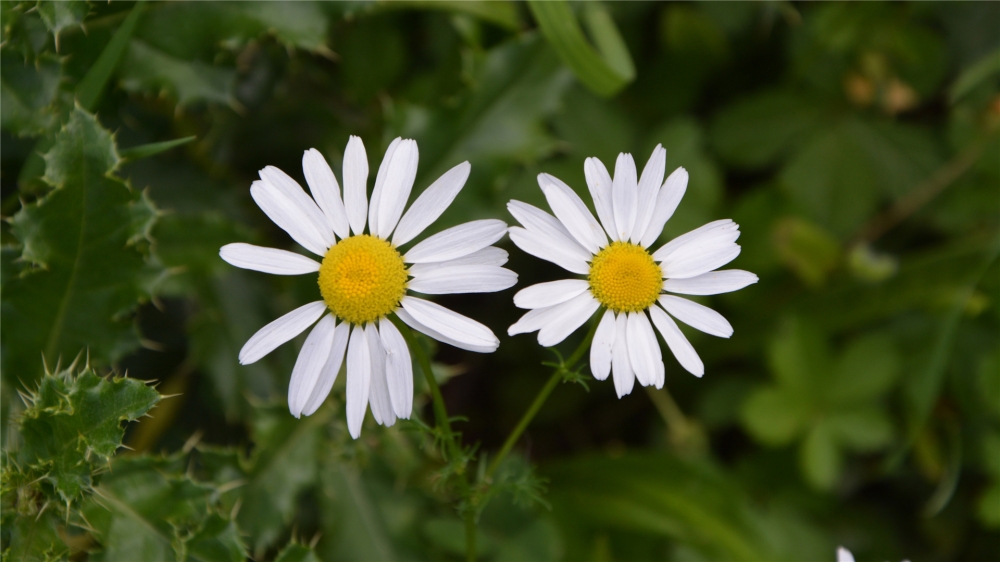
(62, 14)
(87, 264)
(148, 508)
(295, 552)
(73, 426)
(284, 464)
(31, 538)
(146, 69)
(27, 90)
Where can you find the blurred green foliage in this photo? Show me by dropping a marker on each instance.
(858, 402)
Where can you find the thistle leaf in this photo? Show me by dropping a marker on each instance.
(72, 426)
(84, 260)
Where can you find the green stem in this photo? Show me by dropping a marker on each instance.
(444, 425)
(543, 395)
(440, 412)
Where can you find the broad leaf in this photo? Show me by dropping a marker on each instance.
(85, 256)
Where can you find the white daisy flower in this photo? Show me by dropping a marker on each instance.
(622, 275)
(363, 277)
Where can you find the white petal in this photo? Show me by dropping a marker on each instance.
(697, 316)
(574, 313)
(373, 205)
(624, 195)
(411, 322)
(711, 283)
(268, 260)
(294, 192)
(548, 249)
(678, 344)
(573, 213)
(359, 374)
(844, 555)
(397, 187)
(533, 320)
(552, 293)
(356, 186)
(378, 395)
(398, 369)
(463, 279)
(712, 232)
(489, 255)
(599, 183)
(309, 364)
(667, 199)
(679, 266)
(330, 370)
(289, 216)
(600, 348)
(643, 349)
(326, 191)
(431, 203)
(649, 186)
(457, 241)
(621, 367)
(280, 331)
(539, 222)
(450, 324)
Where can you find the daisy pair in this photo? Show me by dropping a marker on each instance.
(632, 284)
(363, 277)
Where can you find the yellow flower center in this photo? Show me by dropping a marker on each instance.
(624, 277)
(362, 278)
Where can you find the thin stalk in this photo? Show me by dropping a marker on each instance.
(444, 425)
(543, 395)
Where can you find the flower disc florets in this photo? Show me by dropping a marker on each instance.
(624, 278)
(362, 278)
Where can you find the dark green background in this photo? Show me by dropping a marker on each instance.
(858, 402)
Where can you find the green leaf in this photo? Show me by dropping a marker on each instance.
(59, 15)
(820, 457)
(146, 69)
(295, 552)
(775, 416)
(146, 150)
(27, 92)
(147, 508)
(72, 426)
(831, 181)
(799, 355)
(659, 495)
(87, 261)
(31, 538)
(284, 464)
(604, 71)
(808, 250)
(865, 370)
(863, 429)
(89, 90)
(502, 13)
(976, 74)
(763, 129)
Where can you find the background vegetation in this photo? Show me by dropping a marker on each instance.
(858, 402)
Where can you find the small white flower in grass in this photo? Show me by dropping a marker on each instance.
(622, 275)
(363, 277)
